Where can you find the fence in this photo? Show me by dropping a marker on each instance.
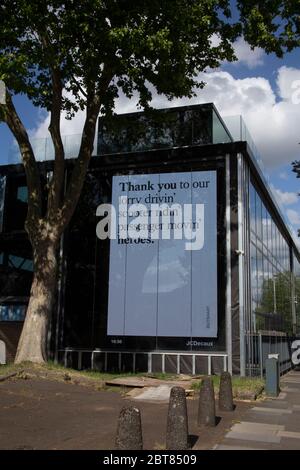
(260, 345)
(192, 363)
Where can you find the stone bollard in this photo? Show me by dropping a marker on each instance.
(177, 424)
(207, 406)
(225, 393)
(129, 432)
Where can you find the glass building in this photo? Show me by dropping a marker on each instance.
(155, 305)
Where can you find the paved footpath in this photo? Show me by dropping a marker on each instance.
(273, 424)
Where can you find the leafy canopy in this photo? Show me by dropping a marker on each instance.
(273, 25)
(127, 44)
(131, 44)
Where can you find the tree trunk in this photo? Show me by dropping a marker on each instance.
(33, 341)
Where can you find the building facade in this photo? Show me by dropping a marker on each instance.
(153, 305)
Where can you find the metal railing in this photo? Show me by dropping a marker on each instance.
(43, 149)
(74, 358)
(260, 345)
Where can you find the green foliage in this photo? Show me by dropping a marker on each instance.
(274, 311)
(273, 25)
(240, 385)
(159, 42)
(164, 43)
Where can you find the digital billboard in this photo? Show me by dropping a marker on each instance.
(163, 259)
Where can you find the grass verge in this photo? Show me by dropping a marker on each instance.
(59, 369)
(242, 387)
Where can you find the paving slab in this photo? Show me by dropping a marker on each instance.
(141, 382)
(291, 380)
(274, 403)
(289, 434)
(257, 427)
(227, 447)
(282, 396)
(290, 390)
(280, 411)
(274, 424)
(254, 436)
(124, 382)
(250, 445)
(160, 393)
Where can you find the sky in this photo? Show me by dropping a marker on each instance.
(263, 89)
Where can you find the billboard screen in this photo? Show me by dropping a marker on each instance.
(163, 259)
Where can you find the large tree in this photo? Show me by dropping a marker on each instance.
(71, 55)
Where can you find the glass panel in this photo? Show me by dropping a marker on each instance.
(22, 194)
(297, 293)
(12, 312)
(287, 257)
(270, 234)
(259, 310)
(163, 129)
(16, 268)
(20, 263)
(253, 280)
(252, 209)
(16, 204)
(220, 133)
(44, 150)
(2, 199)
(258, 217)
(234, 124)
(264, 226)
(271, 303)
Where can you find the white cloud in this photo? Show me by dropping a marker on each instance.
(250, 57)
(284, 198)
(272, 122)
(215, 40)
(294, 217)
(283, 176)
(68, 127)
(287, 80)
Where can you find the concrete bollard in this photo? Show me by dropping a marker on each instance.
(129, 432)
(225, 393)
(177, 424)
(207, 406)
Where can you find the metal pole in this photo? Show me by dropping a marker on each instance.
(241, 266)
(228, 263)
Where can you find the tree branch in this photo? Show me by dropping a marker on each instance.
(57, 183)
(79, 171)
(87, 141)
(82, 91)
(12, 119)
